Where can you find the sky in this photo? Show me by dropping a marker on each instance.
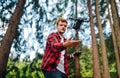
(68, 34)
(29, 33)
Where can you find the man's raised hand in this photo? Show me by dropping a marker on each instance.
(71, 43)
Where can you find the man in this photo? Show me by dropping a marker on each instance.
(55, 59)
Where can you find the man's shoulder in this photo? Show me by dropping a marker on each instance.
(53, 34)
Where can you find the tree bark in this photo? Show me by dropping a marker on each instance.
(106, 73)
(114, 41)
(96, 64)
(116, 23)
(77, 59)
(9, 36)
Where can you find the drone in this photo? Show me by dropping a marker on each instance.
(78, 22)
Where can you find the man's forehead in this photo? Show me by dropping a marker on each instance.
(62, 22)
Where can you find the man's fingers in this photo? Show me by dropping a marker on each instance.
(76, 42)
(70, 38)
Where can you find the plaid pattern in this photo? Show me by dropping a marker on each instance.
(52, 53)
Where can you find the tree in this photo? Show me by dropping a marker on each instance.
(114, 41)
(116, 23)
(106, 73)
(96, 66)
(9, 37)
(77, 58)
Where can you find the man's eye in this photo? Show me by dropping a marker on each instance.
(65, 26)
(62, 25)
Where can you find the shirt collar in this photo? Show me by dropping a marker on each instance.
(60, 36)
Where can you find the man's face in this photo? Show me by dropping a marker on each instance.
(61, 27)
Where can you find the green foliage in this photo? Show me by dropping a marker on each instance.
(25, 68)
(31, 69)
(86, 62)
(111, 55)
(71, 63)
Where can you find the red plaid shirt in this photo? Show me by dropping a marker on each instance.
(52, 53)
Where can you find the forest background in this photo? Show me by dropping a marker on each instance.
(23, 33)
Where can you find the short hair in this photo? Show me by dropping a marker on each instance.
(61, 19)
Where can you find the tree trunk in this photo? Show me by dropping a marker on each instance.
(106, 73)
(77, 59)
(96, 64)
(114, 41)
(116, 23)
(9, 36)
